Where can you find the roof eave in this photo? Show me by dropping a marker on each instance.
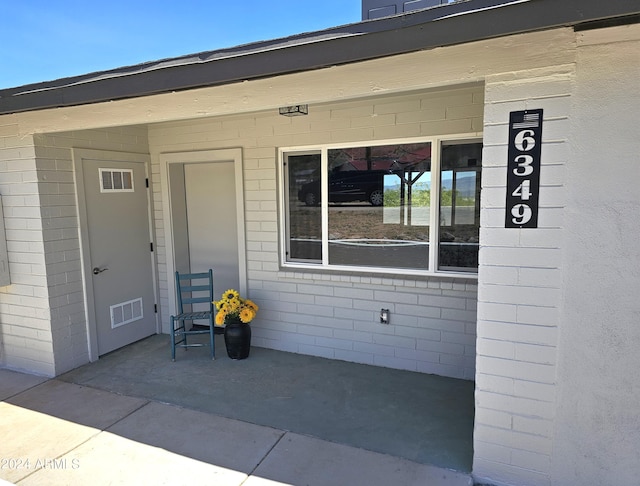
(447, 25)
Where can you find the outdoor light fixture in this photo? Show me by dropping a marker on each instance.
(295, 110)
(384, 316)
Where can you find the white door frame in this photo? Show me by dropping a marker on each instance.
(78, 155)
(203, 156)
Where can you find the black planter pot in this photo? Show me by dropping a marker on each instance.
(237, 338)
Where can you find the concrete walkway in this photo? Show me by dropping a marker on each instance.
(55, 432)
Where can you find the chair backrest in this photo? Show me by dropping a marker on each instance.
(194, 288)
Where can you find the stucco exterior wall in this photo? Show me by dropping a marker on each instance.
(335, 315)
(598, 426)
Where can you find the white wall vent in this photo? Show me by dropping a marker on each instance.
(126, 312)
(116, 180)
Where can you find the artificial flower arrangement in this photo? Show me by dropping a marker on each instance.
(232, 306)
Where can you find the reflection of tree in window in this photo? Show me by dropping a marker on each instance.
(460, 206)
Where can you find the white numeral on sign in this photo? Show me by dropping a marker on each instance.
(524, 140)
(521, 214)
(524, 165)
(523, 191)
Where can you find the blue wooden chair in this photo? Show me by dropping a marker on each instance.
(192, 288)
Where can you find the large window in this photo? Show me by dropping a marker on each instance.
(374, 207)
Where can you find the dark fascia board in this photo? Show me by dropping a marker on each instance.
(445, 25)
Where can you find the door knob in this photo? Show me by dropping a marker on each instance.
(97, 270)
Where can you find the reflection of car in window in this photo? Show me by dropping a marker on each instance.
(347, 186)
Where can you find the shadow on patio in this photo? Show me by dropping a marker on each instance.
(423, 418)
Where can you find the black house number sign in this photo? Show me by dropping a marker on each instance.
(523, 176)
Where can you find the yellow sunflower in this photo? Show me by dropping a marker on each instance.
(233, 305)
(220, 317)
(246, 315)
(230, 295)
(251, 305)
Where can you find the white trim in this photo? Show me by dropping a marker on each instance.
(434, 210)
(323, 149)
(203, 156)
(324, 208)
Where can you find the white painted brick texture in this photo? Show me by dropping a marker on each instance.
(44, 326)
(25, 333)
(432, 325)
(519, 295)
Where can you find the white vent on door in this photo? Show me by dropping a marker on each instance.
(116, 180)
(126, 312)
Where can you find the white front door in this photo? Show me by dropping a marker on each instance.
(114, 217)
(212, 222)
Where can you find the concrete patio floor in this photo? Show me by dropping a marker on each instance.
(135, 417)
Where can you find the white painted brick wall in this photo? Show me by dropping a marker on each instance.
(60, 230)
(520, 295)
(43, 328)
(432, 324)
(25, 334)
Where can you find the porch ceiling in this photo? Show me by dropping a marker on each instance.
(446, 25)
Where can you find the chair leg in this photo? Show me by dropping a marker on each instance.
(184, 335)
(212, 340)
(173, 340)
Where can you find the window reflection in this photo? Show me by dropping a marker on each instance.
(380, 197)
(304, 217)
(460, 206)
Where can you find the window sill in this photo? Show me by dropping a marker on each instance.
(309, 272)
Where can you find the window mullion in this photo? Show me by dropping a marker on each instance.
(285, 247)
(434, 214)
(324, 203)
